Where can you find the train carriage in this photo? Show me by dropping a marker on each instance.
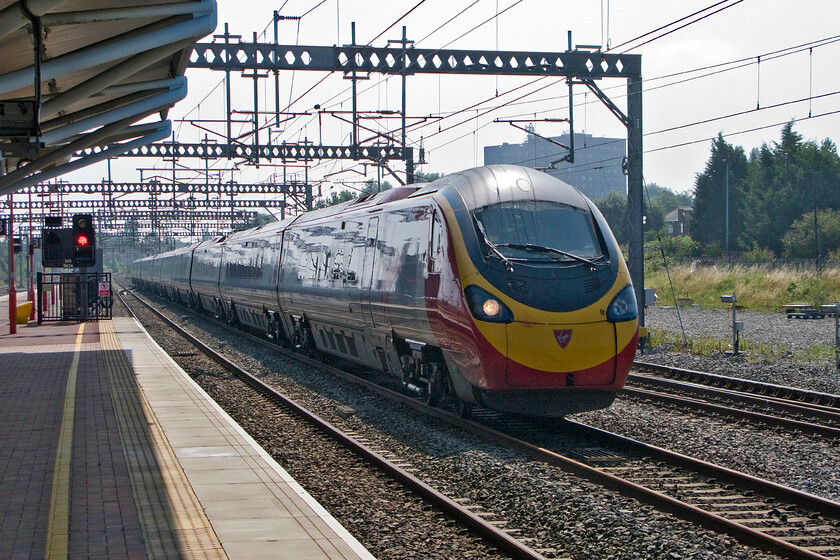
(204, 277)
(248, 276)
(500, 286)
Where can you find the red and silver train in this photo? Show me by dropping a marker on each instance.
(500, 286)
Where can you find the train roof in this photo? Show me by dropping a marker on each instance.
(492, 184)
(265, 230)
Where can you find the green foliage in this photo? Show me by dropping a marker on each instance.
(810, 289)
(334, 198)
(679, 247)
(709, 222)
(759, 287)
(785, 180)
(757, 253)
(798, 241)
(769, 194)
(420, 177)
(658, 202)
(372, 187)
(614, 208)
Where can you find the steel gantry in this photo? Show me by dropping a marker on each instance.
(213, 207)
(582, 65)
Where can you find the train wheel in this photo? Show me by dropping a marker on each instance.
(306, 344)
(219, 314)
(434, 388)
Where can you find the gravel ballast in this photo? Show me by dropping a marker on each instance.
(802, 349)
(575, 518)
(806, 463)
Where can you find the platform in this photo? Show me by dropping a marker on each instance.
(109, 450)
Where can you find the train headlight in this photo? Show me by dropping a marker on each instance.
(486, 307)
(623, 306)
(492, 308)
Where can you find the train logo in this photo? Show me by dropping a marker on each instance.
(563, 337)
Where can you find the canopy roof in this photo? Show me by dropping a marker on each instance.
(103, 67)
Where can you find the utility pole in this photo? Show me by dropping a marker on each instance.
(12, 293)
(816, 232)
(727, 210)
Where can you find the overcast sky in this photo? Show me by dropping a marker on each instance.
(744, 31)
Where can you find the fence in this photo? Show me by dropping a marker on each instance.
(82, 296)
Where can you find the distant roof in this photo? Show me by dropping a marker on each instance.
(104, 66)
(674, 215)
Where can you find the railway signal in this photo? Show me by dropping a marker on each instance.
(83, 241)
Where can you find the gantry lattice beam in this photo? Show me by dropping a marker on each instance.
(266, 152)
(39, 206)
(293, 188)
(397, 60)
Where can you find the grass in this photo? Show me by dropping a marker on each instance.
(759, 288)
(752, 352)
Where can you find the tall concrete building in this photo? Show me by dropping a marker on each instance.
(596, 170)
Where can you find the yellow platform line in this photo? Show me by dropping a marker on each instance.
(172, 519)
(59, 524)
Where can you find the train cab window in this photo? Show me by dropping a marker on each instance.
(538, 230)
(435, 244)
(437, 236)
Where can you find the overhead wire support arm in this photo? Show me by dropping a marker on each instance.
(625, 120)
(512, 122)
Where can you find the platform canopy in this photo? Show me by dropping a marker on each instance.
(105, 74)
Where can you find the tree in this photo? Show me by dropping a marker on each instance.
(798, 241)
(334, 198)
(614, 208)
(709, 223)
(420, 177)
(258, 220)
(785, 181)
(371, 187)
(665, 199)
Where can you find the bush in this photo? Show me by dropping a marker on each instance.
(679, 247)
(758, 253)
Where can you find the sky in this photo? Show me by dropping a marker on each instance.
(736, 72)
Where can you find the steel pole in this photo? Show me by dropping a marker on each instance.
(12, 292)
(635, 180)
(31, 262)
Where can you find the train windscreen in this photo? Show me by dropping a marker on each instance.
(538, 230)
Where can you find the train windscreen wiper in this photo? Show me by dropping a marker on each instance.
(480, 227)
(541, 249)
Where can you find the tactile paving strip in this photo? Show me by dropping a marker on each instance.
(173, 521)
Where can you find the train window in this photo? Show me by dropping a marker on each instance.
(437, 236)
(513, 225)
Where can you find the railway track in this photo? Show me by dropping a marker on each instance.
(760, 403)
(485, 526)
(756, 512)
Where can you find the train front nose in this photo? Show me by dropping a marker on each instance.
(561, 355)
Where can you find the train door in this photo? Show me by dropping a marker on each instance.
(368, 270)
(432, 266)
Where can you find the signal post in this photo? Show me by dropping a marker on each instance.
(12, 292)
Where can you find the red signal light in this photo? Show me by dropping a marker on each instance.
(82, 241)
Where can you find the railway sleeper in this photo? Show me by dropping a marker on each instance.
(819, 531)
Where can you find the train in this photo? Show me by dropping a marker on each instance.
(499, 286)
